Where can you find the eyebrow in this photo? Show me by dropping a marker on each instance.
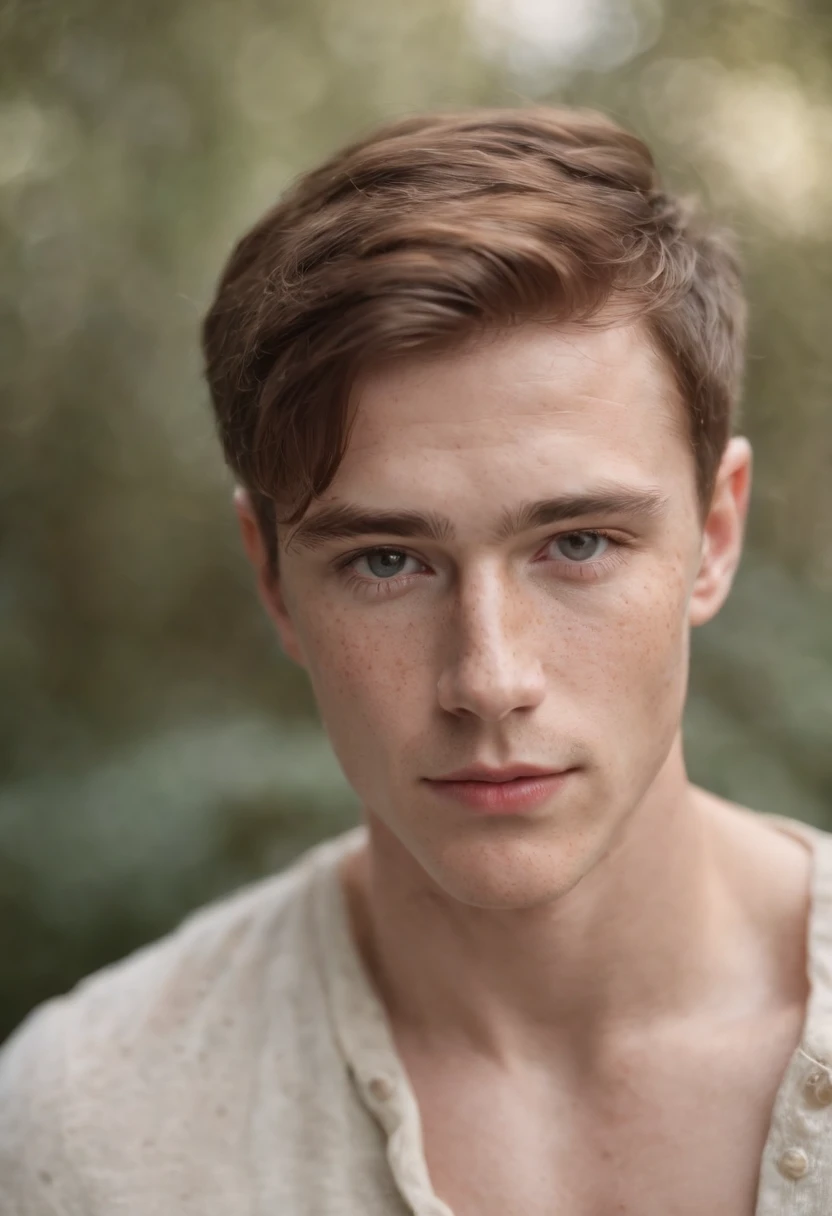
(343, 521)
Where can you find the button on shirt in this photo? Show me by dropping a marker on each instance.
(244, 1065)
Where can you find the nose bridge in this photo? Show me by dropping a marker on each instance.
(491, 666)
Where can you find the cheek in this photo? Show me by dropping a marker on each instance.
(372, 693)
(649, 646)
(623, 655)
(365, 667)
(631, 648)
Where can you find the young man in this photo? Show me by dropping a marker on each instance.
(476, 377)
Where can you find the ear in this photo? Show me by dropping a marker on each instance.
(268, 582)
(723, 533)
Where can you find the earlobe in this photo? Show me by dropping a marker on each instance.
(268, 583)
(723, 533)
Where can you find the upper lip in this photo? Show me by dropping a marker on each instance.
(481, 772)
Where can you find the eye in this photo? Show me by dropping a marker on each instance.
(383, 563)
(580, 547)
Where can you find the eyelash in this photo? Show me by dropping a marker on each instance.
(386, 586)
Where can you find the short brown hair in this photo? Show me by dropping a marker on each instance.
(433, 228)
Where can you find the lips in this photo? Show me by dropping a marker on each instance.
(513, 772)
(515, 789)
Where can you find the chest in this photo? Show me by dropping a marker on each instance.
(653, 1134)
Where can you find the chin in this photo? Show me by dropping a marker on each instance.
(508, 870)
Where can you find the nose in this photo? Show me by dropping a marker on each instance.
(491, 666)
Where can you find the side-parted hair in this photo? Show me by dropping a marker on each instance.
(434, 228)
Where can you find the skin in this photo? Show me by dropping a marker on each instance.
(545, 944)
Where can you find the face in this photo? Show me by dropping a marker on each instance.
(504, 572)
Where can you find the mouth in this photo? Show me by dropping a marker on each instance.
(503, 791)
(512, 772)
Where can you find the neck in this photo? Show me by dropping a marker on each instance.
(651, 933)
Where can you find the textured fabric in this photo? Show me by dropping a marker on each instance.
(243, 1066)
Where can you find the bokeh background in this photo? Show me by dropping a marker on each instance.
(155, 748)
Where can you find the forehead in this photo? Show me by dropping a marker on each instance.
(539, 407)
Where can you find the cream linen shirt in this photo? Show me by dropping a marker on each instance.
(243, 1066)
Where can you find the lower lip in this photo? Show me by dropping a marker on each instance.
(503, 797)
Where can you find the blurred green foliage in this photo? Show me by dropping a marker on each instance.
(155, 749)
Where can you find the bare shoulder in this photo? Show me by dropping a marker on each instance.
(783, 842)
(768, 862)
